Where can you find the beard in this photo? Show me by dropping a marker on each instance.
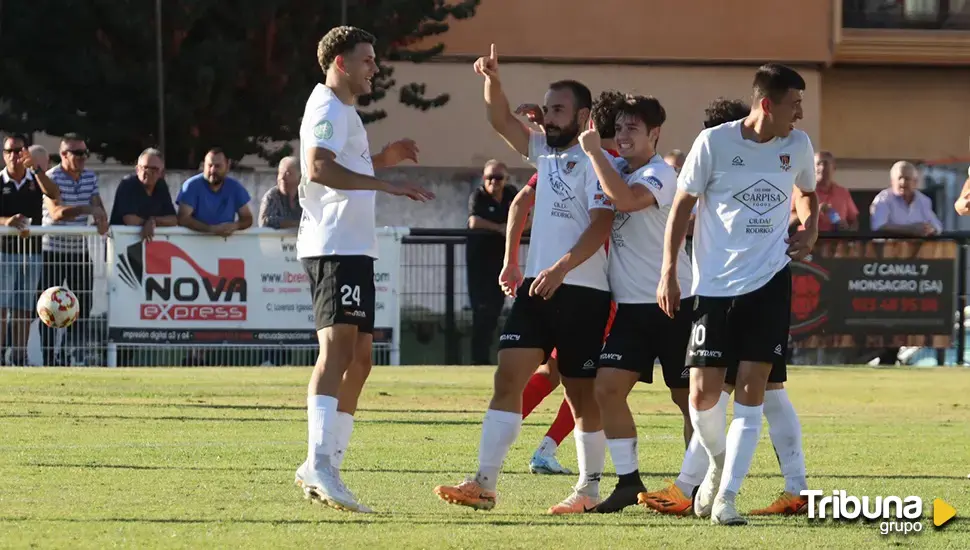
(563, 136)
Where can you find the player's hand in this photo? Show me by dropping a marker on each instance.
(800, 244)
(532, 113)
(412, 191)
(590, 141)
(487, 66)
(399, 151)
(509, 279)
(668, 294)
(547, 282)
(148, 229)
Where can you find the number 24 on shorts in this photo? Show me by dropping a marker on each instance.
(350, 295)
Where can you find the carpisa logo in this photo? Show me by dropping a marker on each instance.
(899, 515)
(192, 294)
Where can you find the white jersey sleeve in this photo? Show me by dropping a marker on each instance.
(594, 191)
(537, 146)
(696, 173)
(659, 184)
(329, 127)
(805, 177)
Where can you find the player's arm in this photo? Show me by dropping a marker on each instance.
(497, 108)
(962, 205)
(518, 221)
(592, 239)
(625, 198)
(806, 205)
(676, 230)
(325, 170)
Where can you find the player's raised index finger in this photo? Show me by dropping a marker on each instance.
(493, 55)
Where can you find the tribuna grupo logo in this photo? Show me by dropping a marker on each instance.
(174, 287)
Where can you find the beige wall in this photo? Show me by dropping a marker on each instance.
(457, 134)
(701, 30)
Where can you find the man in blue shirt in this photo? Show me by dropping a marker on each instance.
(209, 202)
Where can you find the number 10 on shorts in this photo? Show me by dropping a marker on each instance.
(698, 334)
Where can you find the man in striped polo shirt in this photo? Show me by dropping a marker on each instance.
(66, 258)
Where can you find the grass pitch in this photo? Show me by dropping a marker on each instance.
(204, 458)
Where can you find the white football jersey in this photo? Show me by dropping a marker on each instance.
(637, 239)
(335, 222)
(566, 190)
(744, 192)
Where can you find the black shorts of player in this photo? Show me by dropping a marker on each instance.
(778, 375)
(643, 333)
(572, 321)
(749, 327)
(343, 291)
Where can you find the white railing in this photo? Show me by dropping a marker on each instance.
(186, 296)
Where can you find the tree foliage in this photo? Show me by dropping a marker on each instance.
(237, 72)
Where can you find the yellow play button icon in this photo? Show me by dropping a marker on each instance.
(942, 512)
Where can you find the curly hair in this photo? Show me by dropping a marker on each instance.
(721, 111)
(604, 112)
(341, 41)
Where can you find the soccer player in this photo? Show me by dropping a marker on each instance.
(641, 192)
(546, 378)
(564, 300)
(337, 243)
(741, 175)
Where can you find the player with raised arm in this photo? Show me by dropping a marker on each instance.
(742, 176)
(564, 300)
(641, 186)
(337, 244)
(546, 378)
(784, 426)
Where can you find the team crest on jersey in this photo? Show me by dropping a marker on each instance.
(785, 159)
(324, 130)
(569, 166)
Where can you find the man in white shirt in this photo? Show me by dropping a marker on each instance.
(563, 302)
(337, 243)
(641, 187)
(742, 176)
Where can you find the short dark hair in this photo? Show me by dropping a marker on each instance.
(773, 81)
(16, 137)
(217, 151)
(341, 41)
(604, 112)
(72, 136)
(582, 95)
(722, 111)
(645, 108)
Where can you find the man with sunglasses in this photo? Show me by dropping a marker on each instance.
(22, 188)
(143, 198)
(488, 212)
(66, 259)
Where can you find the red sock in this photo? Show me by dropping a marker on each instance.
(563, 424)
(535, 391)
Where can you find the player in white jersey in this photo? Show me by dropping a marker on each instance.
(641, 187)
(563, 302)
(742, 175)
(337, 244)
(784, 427)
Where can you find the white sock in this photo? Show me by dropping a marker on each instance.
(786, 436)
(321, 425)
(499, 431)
(624, 455)
(694, 467)
(345, 427)
(742, 440)
(591, 458)
(548, 447)
(709, 427)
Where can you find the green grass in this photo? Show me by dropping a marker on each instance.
(193, 458)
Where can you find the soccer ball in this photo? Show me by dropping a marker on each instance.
(57, 307)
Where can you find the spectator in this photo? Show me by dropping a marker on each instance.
(962, 204)
(42, 159)
(488, 212)
(837, 210)
(209, 202)
(66, 258)
(22, 194)
(143, 198)
(280, 207)
(903, 210)
(676, 158)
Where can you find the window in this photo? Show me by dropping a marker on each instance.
(906, 14)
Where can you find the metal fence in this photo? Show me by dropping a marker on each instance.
(435, 314)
